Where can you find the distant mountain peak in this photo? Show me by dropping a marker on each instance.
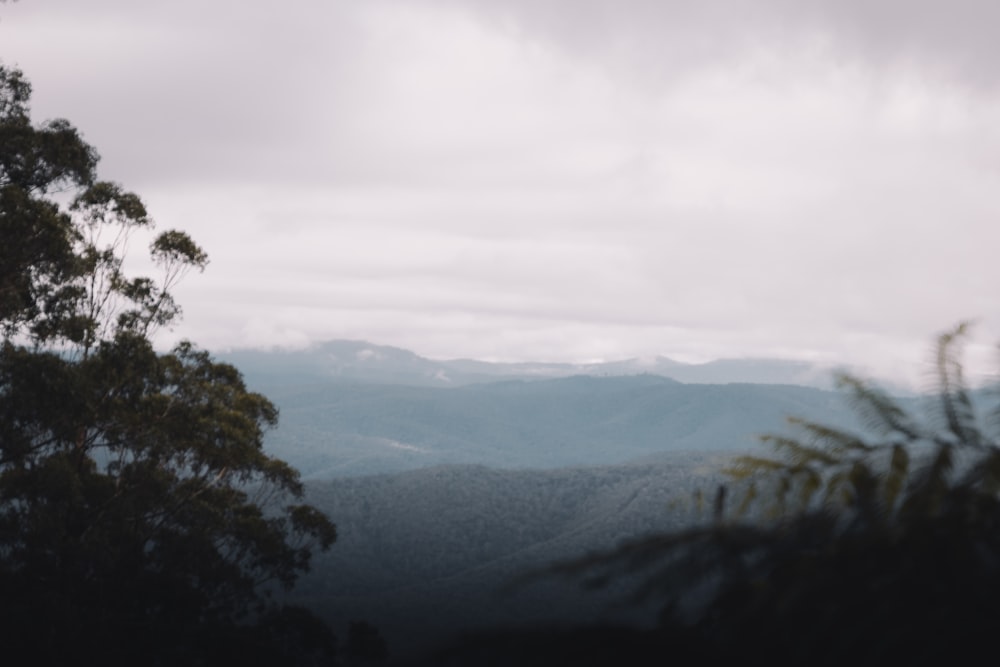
(363, 361)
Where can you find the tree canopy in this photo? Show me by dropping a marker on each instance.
(141, 521)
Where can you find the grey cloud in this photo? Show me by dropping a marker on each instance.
(543, 179)
(667, 38)
(191, 90)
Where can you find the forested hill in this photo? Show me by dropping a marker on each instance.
(340, 429)
(444, 494)
(427, 553)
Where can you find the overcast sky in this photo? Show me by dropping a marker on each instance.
(553, 179)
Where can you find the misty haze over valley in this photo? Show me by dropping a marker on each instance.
(449, 479)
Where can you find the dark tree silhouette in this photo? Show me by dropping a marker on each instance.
(140, 520)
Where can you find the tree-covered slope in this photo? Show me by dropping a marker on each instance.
(336, 429)
(426, 553)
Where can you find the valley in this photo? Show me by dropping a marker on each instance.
(445, 495)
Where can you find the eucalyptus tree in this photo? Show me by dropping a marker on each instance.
(141, 520)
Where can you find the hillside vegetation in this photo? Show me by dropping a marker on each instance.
(337, 429)
(428, 553)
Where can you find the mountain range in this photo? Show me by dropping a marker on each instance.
(350, 408)
(360, 361)
(449, 479)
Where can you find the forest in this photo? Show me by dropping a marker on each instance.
(153, 512)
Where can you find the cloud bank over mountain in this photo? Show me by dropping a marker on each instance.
(554, 180)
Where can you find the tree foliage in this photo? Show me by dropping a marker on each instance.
(141, 521)
(841, 547)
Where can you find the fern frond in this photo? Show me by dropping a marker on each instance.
(877, 410)
(837, 490)
(837, 442)
(953, 392)
(811, 483)
(865, 485)
(899, 469)
(930, 485)
(798, 453)
(747, 466)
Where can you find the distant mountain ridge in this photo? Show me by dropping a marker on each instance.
(335, 429)
(361, 361)
(354, 408)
